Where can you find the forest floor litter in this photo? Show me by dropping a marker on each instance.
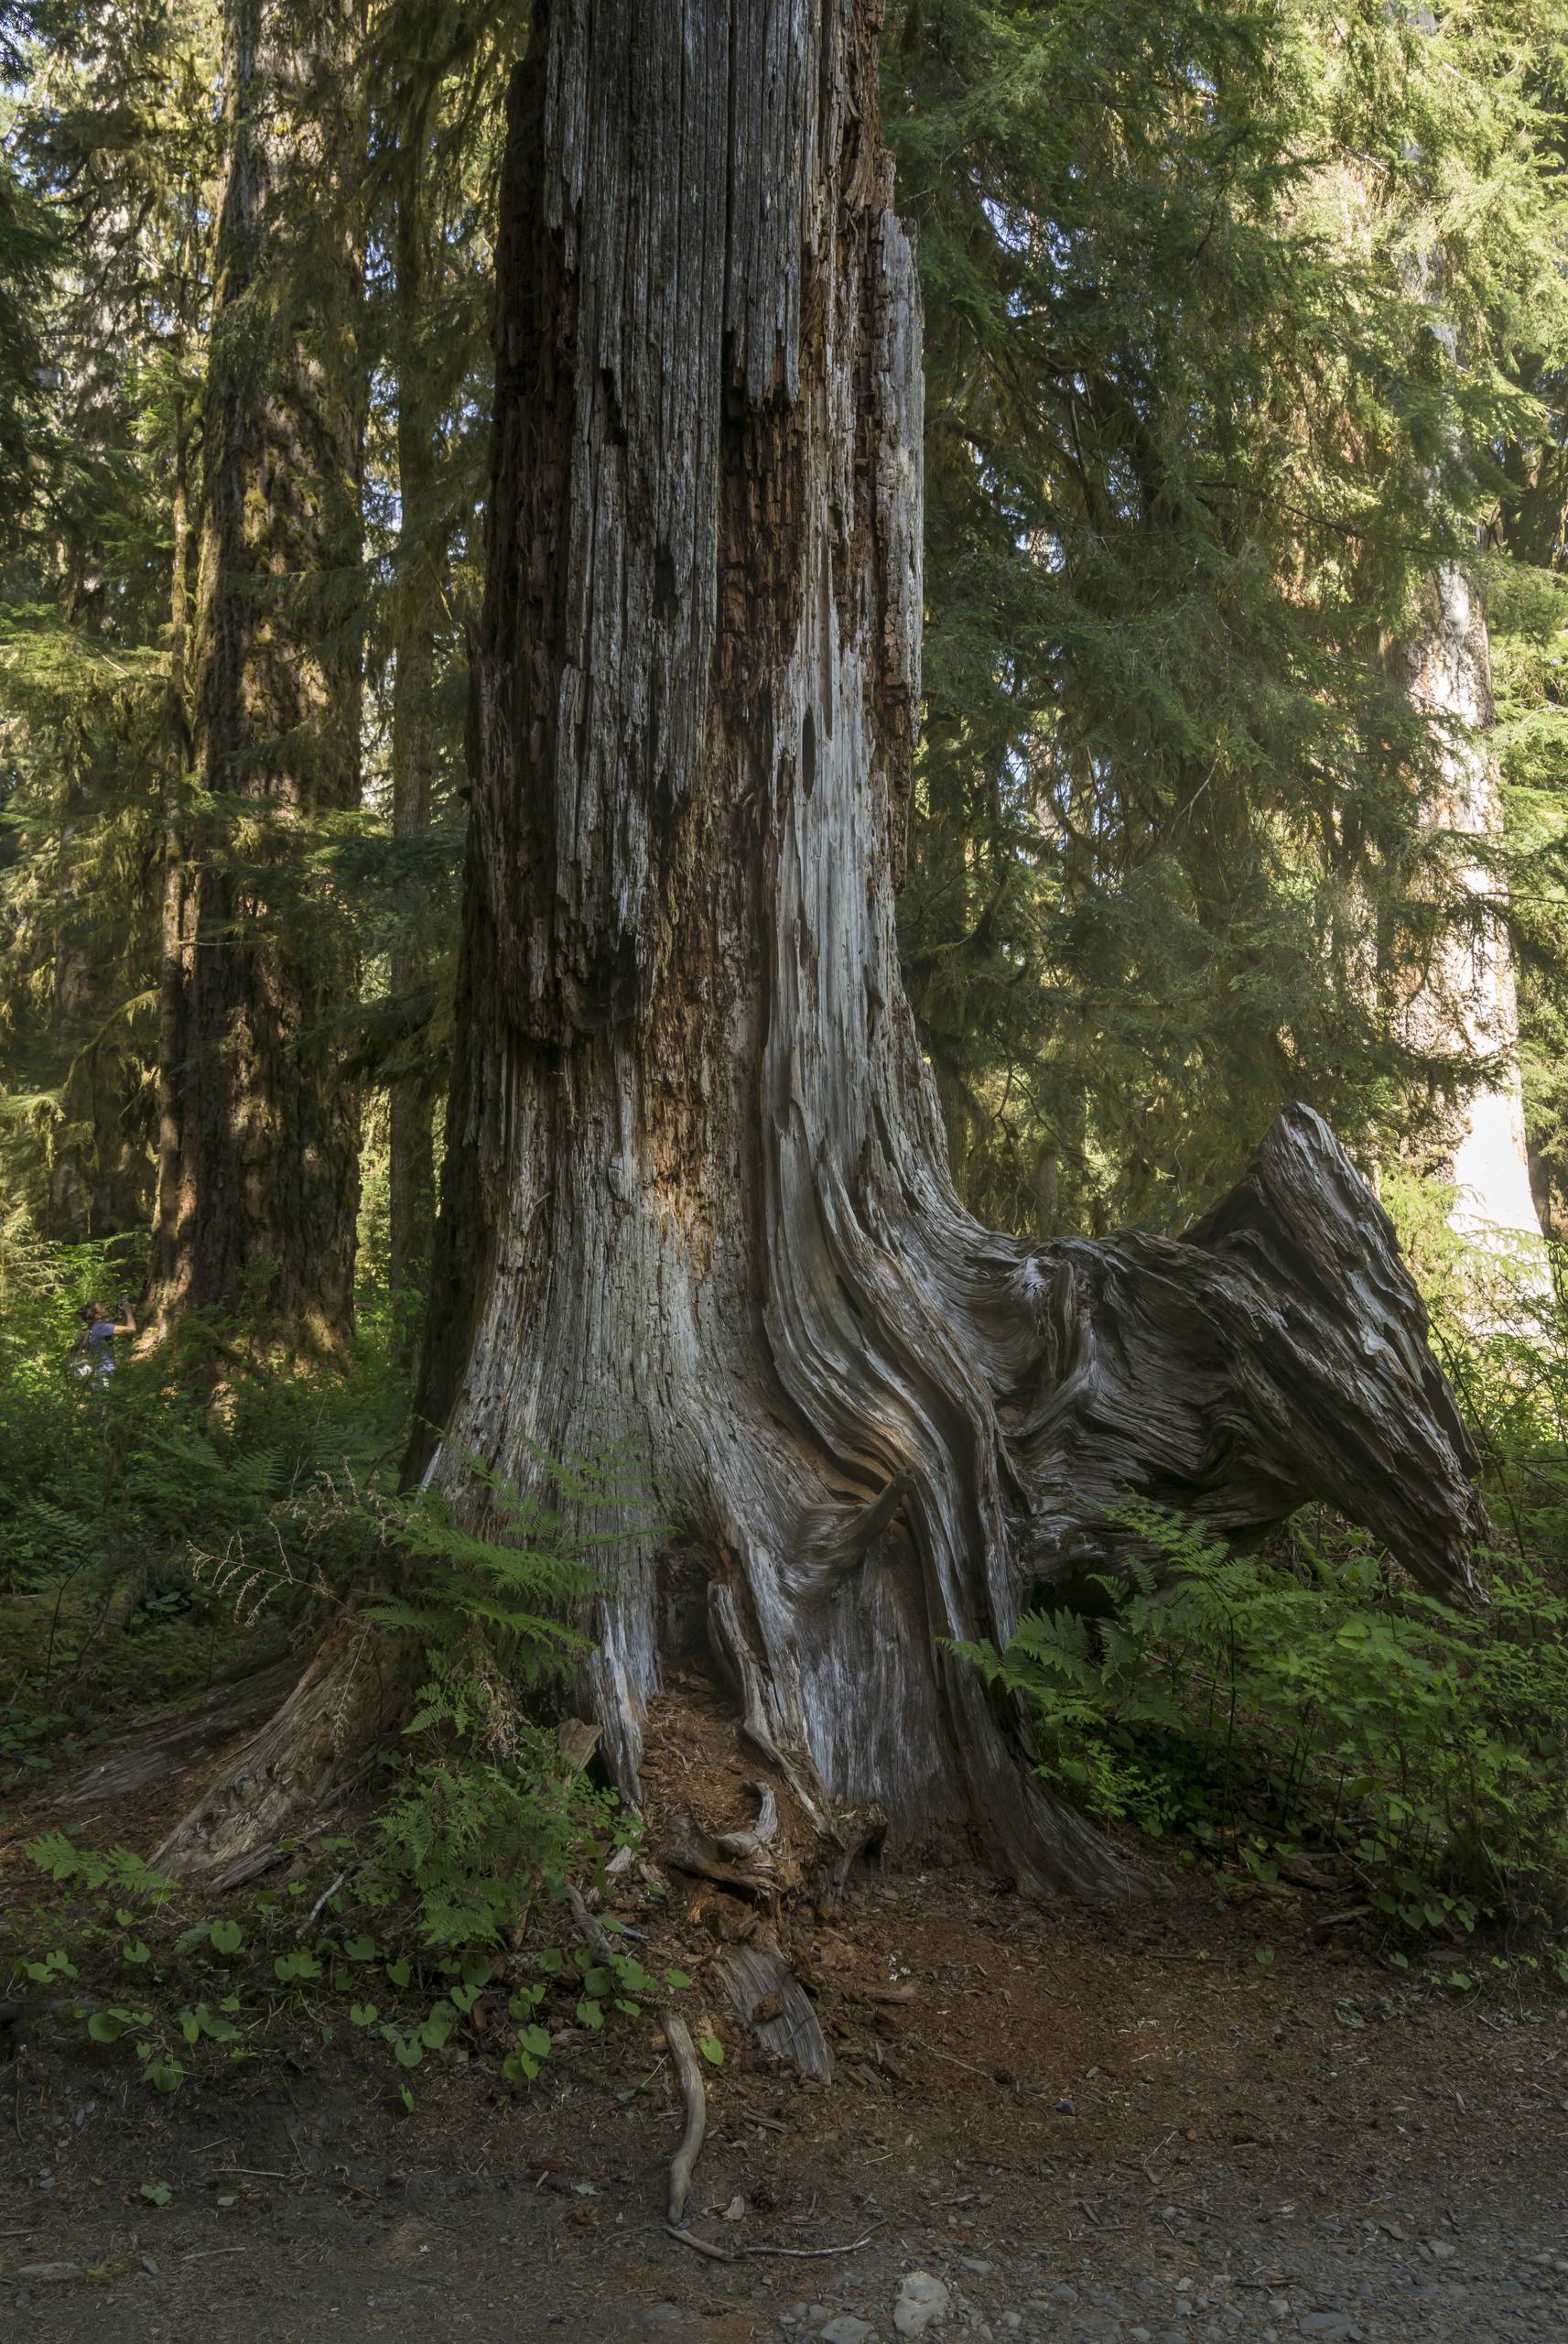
(1054, 2121)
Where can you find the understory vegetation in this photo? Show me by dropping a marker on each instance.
(1304, 1712)
(1298, 1719)
(1245, 415)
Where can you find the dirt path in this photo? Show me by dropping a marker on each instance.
(1080, 2126)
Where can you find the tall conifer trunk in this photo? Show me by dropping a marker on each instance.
(696, 1206)
(1468, 1005)
(258, 1172)
(412, 1180)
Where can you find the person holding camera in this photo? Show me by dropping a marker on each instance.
(95, 1356)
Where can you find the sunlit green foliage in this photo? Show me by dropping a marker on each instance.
(1194, 445)
(1297, 1709)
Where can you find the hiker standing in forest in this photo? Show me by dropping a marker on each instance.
(94, 1352)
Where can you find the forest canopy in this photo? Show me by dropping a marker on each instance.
(1240, 323)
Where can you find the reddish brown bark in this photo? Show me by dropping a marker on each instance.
(258, 1172)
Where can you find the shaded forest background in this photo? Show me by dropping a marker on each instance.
(1240, 322)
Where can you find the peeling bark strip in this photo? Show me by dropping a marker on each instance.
(697, 1203)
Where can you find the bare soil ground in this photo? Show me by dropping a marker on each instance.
(1085, 2124)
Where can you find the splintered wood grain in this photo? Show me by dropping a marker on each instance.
(698, 1209)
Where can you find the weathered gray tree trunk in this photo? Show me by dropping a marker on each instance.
(696, 1204)
(1467, 1006)
(258, 1154)
(697, 1200)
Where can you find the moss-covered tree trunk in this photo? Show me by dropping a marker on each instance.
(258, 1174)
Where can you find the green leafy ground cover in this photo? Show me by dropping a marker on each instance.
(1300, 1713)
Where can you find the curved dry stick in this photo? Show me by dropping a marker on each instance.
(677, 2034)
(596, 1934)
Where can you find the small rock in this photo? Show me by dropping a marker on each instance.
(848, 2330)
(736, 2210)
(47, 2274)
(1442, 2250)
(921, 2299)
(1337, 2327)
(973, 2262)
(660, 2314)
(1065, 2105)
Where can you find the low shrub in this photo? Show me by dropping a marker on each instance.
(1300, 1706)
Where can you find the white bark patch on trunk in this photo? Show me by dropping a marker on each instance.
(1468, 1005)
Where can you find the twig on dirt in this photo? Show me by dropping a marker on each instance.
(755, 2116)
(984, 2073)
(325, 1898)
(698, 2245)
(815, 2253)
(795, 2253)
(637, 2090)
(1098, 2220)
(253, 2171)
(205, 2254)
(677, 2034)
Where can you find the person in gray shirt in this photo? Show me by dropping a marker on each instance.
(94, 1353)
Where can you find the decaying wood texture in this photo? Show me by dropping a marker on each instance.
(697, 1203)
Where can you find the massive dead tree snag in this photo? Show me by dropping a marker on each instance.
(696, 1202)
